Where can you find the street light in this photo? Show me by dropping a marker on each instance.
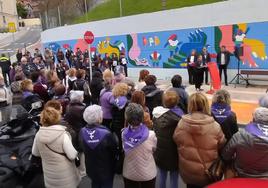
(120, 7)
(86, 9)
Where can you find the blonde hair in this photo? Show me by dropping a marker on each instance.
(222, 96)
(170, 99)
(198, 102)
(72, 72)
(26, 85)
(107, 75)
(120, 89)
(50, 116)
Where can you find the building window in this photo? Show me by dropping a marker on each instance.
(4, 20)
(1, 6)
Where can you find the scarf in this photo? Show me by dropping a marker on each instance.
(93, 136)
(258, 130)
(177, 111)
(221, 111)
(133, 137)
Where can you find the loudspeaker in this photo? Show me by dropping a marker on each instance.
(239, 51)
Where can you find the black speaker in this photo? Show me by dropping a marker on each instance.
(239, 51)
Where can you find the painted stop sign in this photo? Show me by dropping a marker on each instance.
(89, 37)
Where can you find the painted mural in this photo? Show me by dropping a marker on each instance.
(169, 49)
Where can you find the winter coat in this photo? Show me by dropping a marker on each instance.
(183, 102)
(226, 118)
(96, 85)
(28, 99)
(165, 121)
(100, 149)
(139, 164)
(82, 85)
(198, 137)
(39, 89)
(153, 97)
(74, 117)
(118, 113)
(5, 64)
(5, 96)
(16, 91)
(249, 148)
(64, 101)
(106, 102)
(71, 83)
(59, 169)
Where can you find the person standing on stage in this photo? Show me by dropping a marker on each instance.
(198, 73)
(223, 59)
(190, 65)
(206, 59)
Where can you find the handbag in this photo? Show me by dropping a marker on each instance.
(215, 171)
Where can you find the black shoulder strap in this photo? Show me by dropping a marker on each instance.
(63, 154)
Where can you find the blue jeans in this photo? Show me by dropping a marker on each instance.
(106, 184)
(173, 176)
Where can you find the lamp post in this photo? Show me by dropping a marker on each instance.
(86, 10)
(120, 7)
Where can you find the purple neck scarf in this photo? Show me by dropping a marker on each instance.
(133, 137)
(93, 136)
(177, 111)
(256, 129)
(120, 102)
(221, 111)
(26, 94)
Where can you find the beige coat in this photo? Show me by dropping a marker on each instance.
(198, 137)
(59, 172)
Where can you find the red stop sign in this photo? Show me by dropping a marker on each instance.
(89, 37)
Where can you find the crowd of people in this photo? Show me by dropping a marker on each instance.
(109, 125)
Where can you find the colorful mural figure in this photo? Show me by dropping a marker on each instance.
(151, 41)
(105, 46)
(134, 51)
(235, 37)
(155, 58)
(148, 49)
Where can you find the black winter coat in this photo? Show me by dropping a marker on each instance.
(153, 97)
(229, 126)
(100, 161)
(166, 154)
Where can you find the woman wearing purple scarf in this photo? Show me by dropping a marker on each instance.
(222, 113)
(249, 147)
(139, 169)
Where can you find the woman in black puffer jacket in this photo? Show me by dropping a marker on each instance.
(165, 120)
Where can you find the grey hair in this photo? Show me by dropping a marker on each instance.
(221, 96)
(263, 102)
(134, 114)
(93, 114)
(76, 96)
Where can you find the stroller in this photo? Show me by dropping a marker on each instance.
(17, 132)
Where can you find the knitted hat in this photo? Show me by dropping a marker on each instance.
(260, 115)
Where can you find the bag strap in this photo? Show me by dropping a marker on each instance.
(62, 154)
(199, 156)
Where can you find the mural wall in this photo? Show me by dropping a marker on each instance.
(169, 49)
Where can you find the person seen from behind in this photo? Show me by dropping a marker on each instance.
(199, 138)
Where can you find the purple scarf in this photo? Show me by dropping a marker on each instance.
(26, 94)
(221, 111)
(177, 111)
(93, 136)
(254, 128)
(120, 102)
(133, 137)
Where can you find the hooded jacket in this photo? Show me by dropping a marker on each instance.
(165, 121)
(198, 137)
(100, 148)
(106, 102)
(59, 170)
(249, 146)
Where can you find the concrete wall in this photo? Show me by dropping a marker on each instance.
(167, 23)
(31, 22)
